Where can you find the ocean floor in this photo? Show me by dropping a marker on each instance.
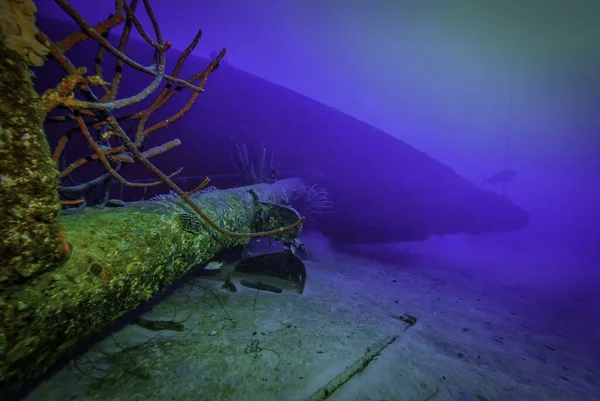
(474, 339)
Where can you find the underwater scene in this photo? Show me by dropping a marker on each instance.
(299, 200)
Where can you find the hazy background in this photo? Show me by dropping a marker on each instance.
(453, 78)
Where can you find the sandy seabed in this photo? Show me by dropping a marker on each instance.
(473, 340)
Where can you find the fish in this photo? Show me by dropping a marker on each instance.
(213, 265)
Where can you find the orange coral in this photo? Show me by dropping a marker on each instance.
(97, 111)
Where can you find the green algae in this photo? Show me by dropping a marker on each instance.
(121, 258)
(31, 237)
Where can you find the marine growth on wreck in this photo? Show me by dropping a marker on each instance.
(176, 226)
(70, 268)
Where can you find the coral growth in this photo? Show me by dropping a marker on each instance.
(96, 114)
(32, 240)
(256, 170)
(17, 27)
(311, 201)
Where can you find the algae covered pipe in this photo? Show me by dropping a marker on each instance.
(122, 257)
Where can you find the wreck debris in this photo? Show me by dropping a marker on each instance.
(123, 257)
(324, 392)
(272, 272)
(408, 319)
(253, 347)
(159, 325)
(261, 286)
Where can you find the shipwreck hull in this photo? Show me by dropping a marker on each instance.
(383, 189)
